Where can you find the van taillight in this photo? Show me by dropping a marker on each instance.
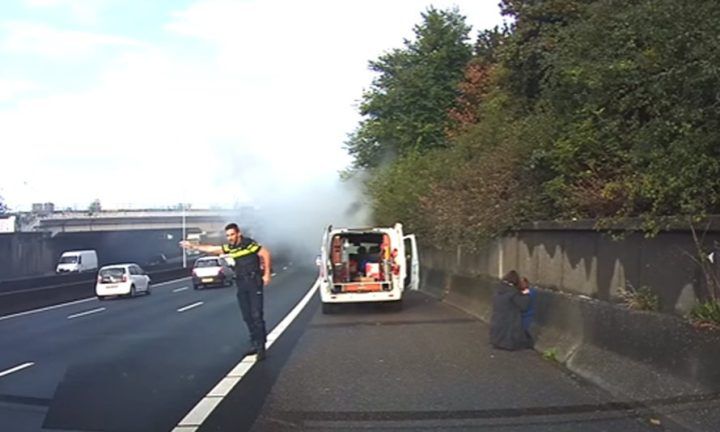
(99, 279)
(124, 278)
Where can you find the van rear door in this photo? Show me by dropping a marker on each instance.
(324, 254)
(412, 272)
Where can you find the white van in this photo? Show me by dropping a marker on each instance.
(77, 261)
(367, 265)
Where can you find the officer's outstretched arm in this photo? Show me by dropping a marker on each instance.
(208, 249)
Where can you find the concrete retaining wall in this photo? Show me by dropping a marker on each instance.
(633, 354)
(590, 263)
(34, 254)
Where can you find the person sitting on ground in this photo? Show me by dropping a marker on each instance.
(509, 302)
(529, 313)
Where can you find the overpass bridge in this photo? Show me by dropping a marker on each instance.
(129, 220)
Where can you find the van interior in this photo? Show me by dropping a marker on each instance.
(360, 262)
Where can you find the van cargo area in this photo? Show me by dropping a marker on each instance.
(367, 265)
(361, 262)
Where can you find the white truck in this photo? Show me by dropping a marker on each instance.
(367, 265)
(77, 261)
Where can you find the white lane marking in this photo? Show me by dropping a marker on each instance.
(91, 311)
(190, 306)
(16, 368)
(195, 418)
(180, 289)
(34, 311)
(285, 268)
(47, 308)
(273, 274)
(154, 285)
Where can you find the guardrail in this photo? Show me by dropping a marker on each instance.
(66, 288)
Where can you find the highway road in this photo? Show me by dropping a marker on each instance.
(428, 367)
(145, 364)
(137, 364)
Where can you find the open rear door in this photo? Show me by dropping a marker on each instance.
(412, 276)
(324, 254)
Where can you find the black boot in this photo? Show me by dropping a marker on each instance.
(260, 352)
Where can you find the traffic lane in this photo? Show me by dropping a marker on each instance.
(114, 349)
(173, 360)
(54, 341)
(427, 367)
(19, 335)
(74, 318)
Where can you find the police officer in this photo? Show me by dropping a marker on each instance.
(252, 273)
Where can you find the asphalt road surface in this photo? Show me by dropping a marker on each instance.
(428, 367)
(143, 364)
(136, 364)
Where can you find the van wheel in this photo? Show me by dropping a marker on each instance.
(148, 291)
(101, 298)
(328, 308)
(197, 287)
(132, 291)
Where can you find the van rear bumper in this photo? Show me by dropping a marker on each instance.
(382, 296)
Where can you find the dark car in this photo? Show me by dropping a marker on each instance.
(157, 259)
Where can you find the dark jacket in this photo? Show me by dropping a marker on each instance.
(506, 330)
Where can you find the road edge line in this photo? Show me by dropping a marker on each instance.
(205, 406)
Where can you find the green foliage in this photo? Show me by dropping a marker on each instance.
(406, 109)
(630, 86)
(397, 190)
(641, 299)
(551, 354)
(706, 315)
(599, 109)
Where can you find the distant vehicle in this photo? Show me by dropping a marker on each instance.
(157, 259)
(210, 271)
(367, 265)
(77, 261)
(122, 280)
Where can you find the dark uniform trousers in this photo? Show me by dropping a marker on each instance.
(250, 299)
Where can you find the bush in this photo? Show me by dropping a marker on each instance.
(706, 315)
(641, 299)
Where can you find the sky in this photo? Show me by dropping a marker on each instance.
(210, 102)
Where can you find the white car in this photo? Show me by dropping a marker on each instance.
(212, 270)
(121, 280)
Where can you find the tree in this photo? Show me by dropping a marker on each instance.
(406, 108)
(632, 88)
(95, 206)
(3, 206)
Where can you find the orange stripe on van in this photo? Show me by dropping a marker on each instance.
(363, 287)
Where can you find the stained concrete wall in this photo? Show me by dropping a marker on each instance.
(34, 254)
(591, 263)
(648, 357)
